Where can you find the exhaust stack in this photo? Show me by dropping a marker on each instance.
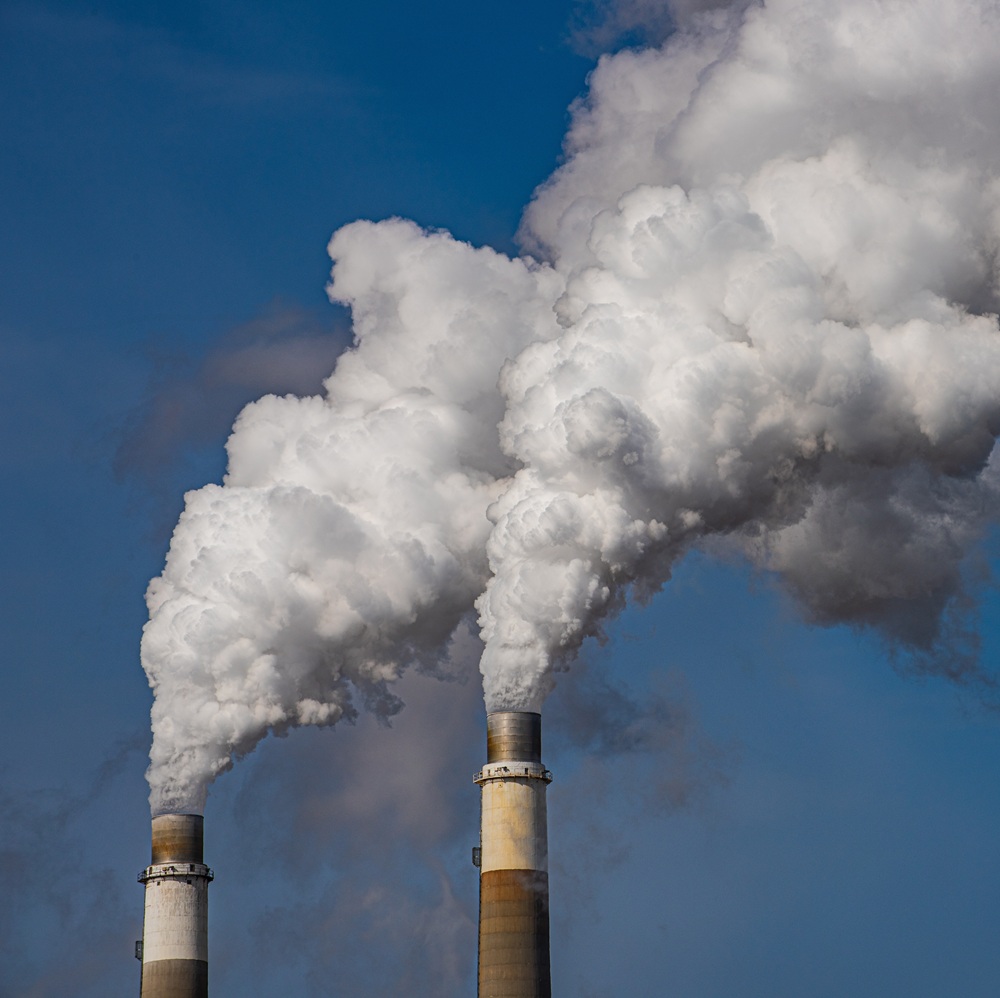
(513, 860)
(174, 949)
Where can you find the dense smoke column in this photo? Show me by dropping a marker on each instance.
(175, 926)
(757, 312)
(348, 541)
(514, 879)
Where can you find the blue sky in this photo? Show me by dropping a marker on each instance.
(788, 814)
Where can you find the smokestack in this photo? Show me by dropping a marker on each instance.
(513, 860)
(174, 949)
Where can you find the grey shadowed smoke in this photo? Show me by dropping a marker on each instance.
(383, 817)
(48, 881)
(644, 747)
(192, 403)
(600, 26)
(625, 730)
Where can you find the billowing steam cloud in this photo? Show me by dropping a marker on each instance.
(349, 540)
(758, 308)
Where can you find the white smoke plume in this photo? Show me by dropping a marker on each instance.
(349, 538)
(757, 305)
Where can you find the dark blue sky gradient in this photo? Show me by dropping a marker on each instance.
(743, 806)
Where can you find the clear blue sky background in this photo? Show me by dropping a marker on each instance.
(743, 806)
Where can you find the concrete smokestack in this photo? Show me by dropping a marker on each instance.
(513, 859)
(175, 926)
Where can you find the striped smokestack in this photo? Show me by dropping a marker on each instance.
(175, 926)
(513, 857)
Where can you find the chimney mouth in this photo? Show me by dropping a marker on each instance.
(513, 736)
(178, 838)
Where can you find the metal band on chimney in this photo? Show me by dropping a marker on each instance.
(175, 925)
(513, 883)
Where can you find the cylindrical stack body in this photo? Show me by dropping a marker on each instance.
(514, 879)
(175, 926)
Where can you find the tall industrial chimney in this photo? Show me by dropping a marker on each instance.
(513, 860)
(174, 949)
